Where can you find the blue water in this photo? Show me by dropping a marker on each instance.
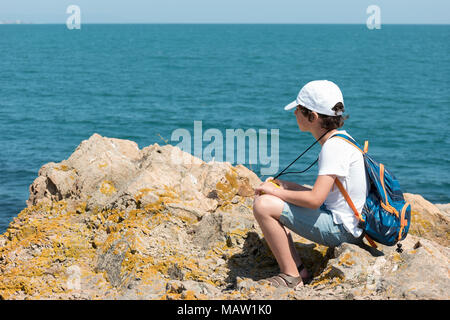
(59, 86)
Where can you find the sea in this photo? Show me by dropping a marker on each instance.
(142, 82)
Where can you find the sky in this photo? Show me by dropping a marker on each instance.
(227, 11)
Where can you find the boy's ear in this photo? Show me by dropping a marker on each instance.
(313, 116)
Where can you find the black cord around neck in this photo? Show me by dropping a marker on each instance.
(307, 149)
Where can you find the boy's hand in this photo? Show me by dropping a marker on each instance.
(268, 187)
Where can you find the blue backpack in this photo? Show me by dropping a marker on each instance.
(386, 216)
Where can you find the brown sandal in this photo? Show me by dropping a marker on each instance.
(284, 280)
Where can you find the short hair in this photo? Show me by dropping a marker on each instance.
(328, 122)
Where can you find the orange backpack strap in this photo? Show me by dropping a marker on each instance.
(350, 203)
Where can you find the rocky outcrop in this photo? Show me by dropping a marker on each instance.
(116, 222)
(428, 221)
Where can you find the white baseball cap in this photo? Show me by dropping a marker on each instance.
(319, 96)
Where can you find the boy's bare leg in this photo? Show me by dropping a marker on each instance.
(267, 210)
(295, 254)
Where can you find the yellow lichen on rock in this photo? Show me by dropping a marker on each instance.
(142, 192)
(346, 259)
(102, 165)
(229, 186)
(107, 187)
(421, 224)
(62, 167)
(47, 246)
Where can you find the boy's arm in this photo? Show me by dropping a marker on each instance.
(309, 199)
(288, 185)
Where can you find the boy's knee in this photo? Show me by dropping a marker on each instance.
(265, 204)
(259, 203)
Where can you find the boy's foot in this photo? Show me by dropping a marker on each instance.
(284, 280)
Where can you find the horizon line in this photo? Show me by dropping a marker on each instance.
(12, 22)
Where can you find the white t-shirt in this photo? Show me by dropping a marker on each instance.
(340, 158)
